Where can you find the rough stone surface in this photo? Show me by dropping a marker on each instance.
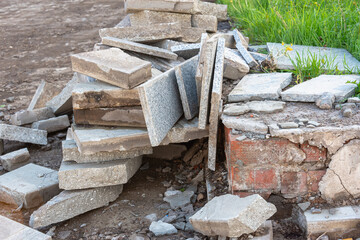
(112, 66)
(16, 159)
(161, 103)
(265, 86)
(342, 177)
(288, 125)
(123, 116)
(145, 33)
(207, 8)
(139, 47)
(71, 153)
(216, 103)
(69, 204)
(62, 103)
(148, 18)
(240, 38)
(125, 22)
(167, 44)
(229, 39)
(334, 54)
(44, 93)
(232, 216)
(160, 5)
(206, 82)
(313, 89)
(179, 199)
(52, 124)
(22, 134)
(101, 139)
(186, 51)
(236, 110)
(235, 66)
(266, 106)
(29, 116)
(207, 22)
(11, 230)
(243, 51)
(160, 228)
(168, 152)
(192, 35)
(246, 125)
(102, 95)
(203, 56)
(185, 76)
(325, 101)
(74, 175)
(28, 186)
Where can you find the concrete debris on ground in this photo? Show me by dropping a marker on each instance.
(16, 159)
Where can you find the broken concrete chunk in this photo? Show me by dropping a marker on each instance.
(16, 159)
(101, 139)
(148, 18)
(74, 175)
(112, 66)
(192, 35)
(240, 38)
(28, 186)
(144, 33)
(167, 44)
(353, 100)
(245, 124)
(29, 116)
(216, 103)
(325, 101)
(229, 39)
(69, 204)
(207, 8)
(207, 22)
(266, 106)
(235, 66)
(243, 50)
(122, 117)
(168, 152)
(139, 47)
(44, 93)
(181, 6)
(125, 22)
(313, 89)
(232, 216)
(22, 134)
(62, 103)
(260, 57)
(179, 199)
(335, 55)
(102, 95)
(52, 124)
(341, 178)
(161, 104)
(11, 230)
(288, 125)
(186, 51)
(161, 228)
(185, 77)
(265, 86)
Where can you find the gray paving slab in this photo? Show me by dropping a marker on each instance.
(264, 86)
(22, 134)
(52, 124)
(185, 76)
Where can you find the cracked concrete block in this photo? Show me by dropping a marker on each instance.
(69, 204)
(29, 186)
(11, 230)
(16, 159)
(24, 117)
(343, 175)
(112, 66)
(44, 93)
(52, 124)
(148, 18)
(73, 176)
(243, 50)
(207, 22)
(22, 134)
(232, 216)
(235, 66)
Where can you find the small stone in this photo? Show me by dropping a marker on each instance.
(179, 199)
(266, 106)
(241, 138)
(288, 125)
(315, 210)
(10, 99)
(160, 228)
(179, 225)
(347, 112)
(235, 66)
(353, 100)
(325, 101)
(304, 206)
(236, 110)
(316, 124)
(151, 217)
(200, 197)
(83, 225)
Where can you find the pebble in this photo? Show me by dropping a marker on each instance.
(316, 210)
(316, 124)
(83, 225)
(160, 228)
(166, 170)
(288, 125)
(241, 138)
(10, 99)
(151, 217)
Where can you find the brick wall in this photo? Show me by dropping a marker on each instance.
(273, 165)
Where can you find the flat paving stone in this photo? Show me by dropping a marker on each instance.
(139, 47)
(71, 153)
(244, 124)
(185, 76)
(264, 86)
(16, 159)
(216, 103)
(29, 186)
(11, 230)
(22, 134)
(311, 90)
(161, 103)
(73, 176)
(182, 6)
(335, 55)
(121, 117)
(112, 66)
(69, 204)
(148, 18)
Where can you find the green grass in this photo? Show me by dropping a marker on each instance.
(331, 23)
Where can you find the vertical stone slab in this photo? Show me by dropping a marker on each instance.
(200, 66)
(242, 49)
(185, 76)
(161, 103)
(44, 93)
(216, 103)
(206, 83)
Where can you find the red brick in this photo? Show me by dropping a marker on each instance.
(313, 154)
(241, 179)
(313, 179)
(249, 179)
(265, 179)
(293, 183)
